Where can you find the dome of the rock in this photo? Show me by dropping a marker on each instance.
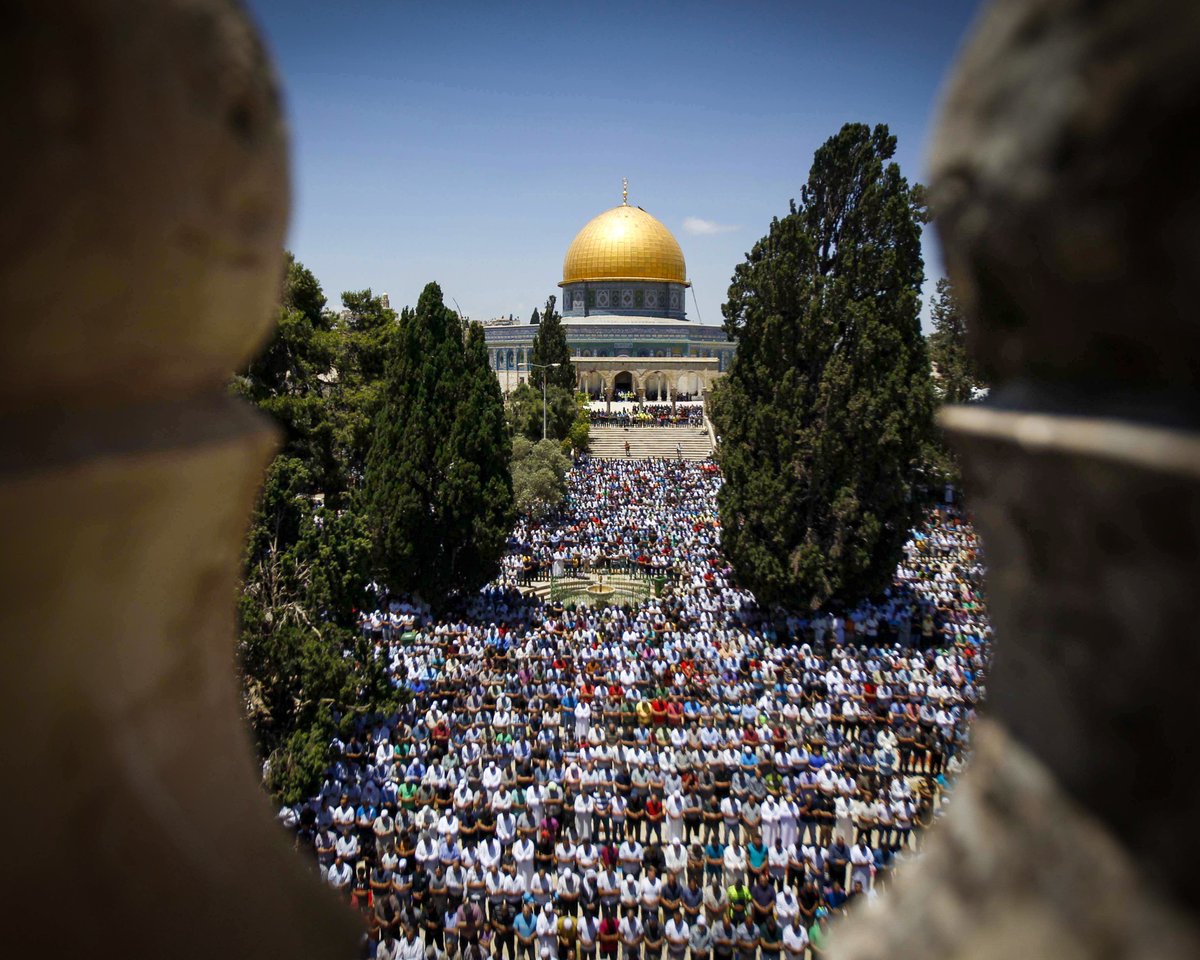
(624, 243)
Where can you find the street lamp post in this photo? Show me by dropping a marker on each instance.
(544, 366)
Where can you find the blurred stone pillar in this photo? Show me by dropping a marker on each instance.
(1065, 190)
(145, 182)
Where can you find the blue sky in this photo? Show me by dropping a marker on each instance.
(467, 143)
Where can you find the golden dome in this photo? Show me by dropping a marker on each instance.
(624, 243)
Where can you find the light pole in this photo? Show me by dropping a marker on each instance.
(544, 366)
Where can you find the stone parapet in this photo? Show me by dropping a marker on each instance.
(146, 199)
(1064, 190)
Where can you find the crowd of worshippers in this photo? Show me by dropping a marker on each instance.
(691, 776)
(655, 518)
(650, 415)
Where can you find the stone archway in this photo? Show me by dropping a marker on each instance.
(591, 383)
(657, 387)
(623, 382)
(689, 384)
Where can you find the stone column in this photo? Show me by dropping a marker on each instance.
(145, 206)
(1065, 194)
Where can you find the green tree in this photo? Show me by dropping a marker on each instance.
(434, 458)
(957, 374)
(827, 408)
(308, 553)
(539, 472)
(524, 412)
(297, 351)
(305, 571)
(319, 378)
(482, 480)
(366, 331)
(580, 432)
(550, 346)
(284, 380)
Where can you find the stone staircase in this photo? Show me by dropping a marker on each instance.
(608, 443)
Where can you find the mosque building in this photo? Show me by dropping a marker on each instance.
(624, 309)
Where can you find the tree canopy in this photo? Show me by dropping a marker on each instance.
(550, 346)
(308, 554)
(313, 543)
(958, 377)
(438, 492)
(827, 406)
(539, 472)
(524, 411)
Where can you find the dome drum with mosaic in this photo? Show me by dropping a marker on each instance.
(624, 307)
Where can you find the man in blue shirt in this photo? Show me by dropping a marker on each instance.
(525, 927)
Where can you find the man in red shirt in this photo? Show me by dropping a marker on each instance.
(609, 936)
(608, 854)
(654, 818)
(658, 711)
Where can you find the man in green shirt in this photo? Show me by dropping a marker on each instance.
(407, 795)
(738, 895)
(817, 936)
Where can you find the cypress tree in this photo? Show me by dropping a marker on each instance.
(958, 374)
(550, 346)
(366, 330)
(481, 489)
(436, 476)
(828, 404)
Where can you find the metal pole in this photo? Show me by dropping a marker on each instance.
(543, 406)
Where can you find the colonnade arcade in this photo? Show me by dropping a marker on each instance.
(517, 358)
(668, 379)
(608, 378)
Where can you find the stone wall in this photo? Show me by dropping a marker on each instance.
(145, 183)
(1065, 191)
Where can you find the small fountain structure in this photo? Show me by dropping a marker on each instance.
(596, 589)
(599, 589)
